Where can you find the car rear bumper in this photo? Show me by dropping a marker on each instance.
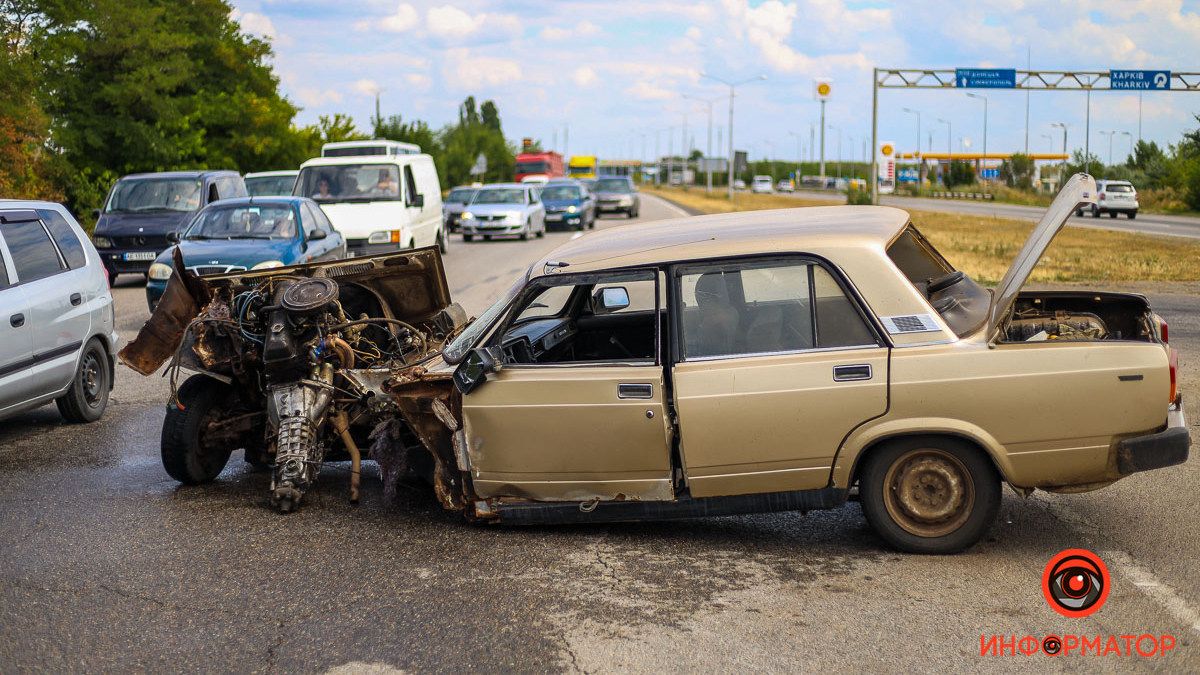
(1118, 206)
(1155, 451)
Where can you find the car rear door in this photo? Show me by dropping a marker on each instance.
(16, 343)
(775, 363)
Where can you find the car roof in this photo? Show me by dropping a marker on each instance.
(269, 174)
(504, 185)
(807, 229)
(263, 200)
(182, 174)
(363, 159)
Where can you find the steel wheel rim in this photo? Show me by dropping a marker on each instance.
(91, 380)
(928, 492)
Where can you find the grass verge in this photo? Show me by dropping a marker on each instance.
(983, 246)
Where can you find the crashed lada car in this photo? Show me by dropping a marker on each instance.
(747, 362)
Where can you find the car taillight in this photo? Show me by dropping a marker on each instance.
(1173, 364)
(1162, 331)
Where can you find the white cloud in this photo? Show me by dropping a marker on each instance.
(257, 24)
(366, 87)
(646, 91)
(402, 20)
(312, 97)
(582, 29)
(693, 33)
(418, 80)
(584, 76)
(467, 70)
(448, 21)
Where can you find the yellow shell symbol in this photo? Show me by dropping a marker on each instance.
(823, 88)
(887, 149)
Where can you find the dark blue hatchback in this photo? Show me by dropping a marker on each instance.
(246, 234)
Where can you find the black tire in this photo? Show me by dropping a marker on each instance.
(183, 453)
(1132, 215)
(525, 233)
(1112, 214)
(1078, 213)
(443, 241)
(112, 278)
(629, 213)
(487, 237)
(468, 238)
(925, 463)
(1095, 211)
(87, 398)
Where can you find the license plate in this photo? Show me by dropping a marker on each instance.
(141, 255)
(553, 219)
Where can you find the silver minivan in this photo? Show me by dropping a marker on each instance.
(57, 333)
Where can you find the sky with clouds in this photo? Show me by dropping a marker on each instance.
(612, 75)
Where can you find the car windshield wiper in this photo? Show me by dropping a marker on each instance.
(249, 236)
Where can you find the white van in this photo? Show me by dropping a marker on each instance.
(378, 146)
(380, 203)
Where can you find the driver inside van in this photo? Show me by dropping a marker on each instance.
(387, 186)
(322, 189)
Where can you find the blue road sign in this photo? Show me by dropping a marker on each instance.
(990, 174)
(1139, 79)
(985, 78)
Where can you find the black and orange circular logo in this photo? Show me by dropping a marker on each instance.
(1075, 583)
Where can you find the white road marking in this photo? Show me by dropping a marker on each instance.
(576, 236)
(1123, 564)
(670, 206)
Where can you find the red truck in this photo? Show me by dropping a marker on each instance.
(548, 164)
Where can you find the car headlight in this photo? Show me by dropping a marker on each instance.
(160, 271)
(571, 209)
(384, 237)
(627, 200)
(466, 215)
(268, 264)
(102, 242)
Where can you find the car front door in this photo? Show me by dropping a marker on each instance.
(576, 413)
(774, 364)
(16, 343)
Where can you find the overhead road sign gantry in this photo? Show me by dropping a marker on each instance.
(1141, 80)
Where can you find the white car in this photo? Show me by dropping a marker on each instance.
(504, 209)
(785, 185)
(762, 185)
(380, 203)
(1114, 197)
(57, 334)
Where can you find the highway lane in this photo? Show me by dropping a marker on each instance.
(108, 565)
(1145, 223)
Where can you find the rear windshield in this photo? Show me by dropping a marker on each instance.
(1118, 188)
(144, 195)
(916, 257)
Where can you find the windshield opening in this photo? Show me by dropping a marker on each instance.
(349, 183)
(457, 349)
(139, 195)
(612, 185)
(460, 196)
(270, 186)
(962, 303)
(561, 192)
(500, 196)
(533, 167)
(244, 222)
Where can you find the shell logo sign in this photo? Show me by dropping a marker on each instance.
(887, 150)
(823, 89)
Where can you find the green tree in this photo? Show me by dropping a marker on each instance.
(26, 163)
(1017, 171)
(490, 115)
(396, 129)
(338, 127)
(960, 173)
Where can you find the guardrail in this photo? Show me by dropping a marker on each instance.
(978, 196)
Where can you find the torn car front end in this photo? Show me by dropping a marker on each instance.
(291, 365)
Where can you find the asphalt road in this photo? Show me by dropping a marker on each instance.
(107, 564)
(1145, 223)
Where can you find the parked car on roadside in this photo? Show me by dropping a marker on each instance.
(569, 204)
(503, 209)
(379, 202)
(1113, 197)
(785, 185)
(271, 183)
(745, 362)
(249, 234)
(143, 209)
(739, 184)
(57, 335)
(762, 185)
(618, 194)
(455, 203)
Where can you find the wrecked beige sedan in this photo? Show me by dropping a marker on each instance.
(748, 362)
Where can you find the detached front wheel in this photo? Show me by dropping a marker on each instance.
(929, 495)
(187, 454)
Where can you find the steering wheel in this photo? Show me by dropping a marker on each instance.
(945, 281)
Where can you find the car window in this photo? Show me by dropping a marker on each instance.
(64, 235)
(763, 307)
(1118, 188)
(256, 221)
(322, 219)
(410, 186)
(3, 270)
(33, 254)
(311, 223)
(641, 295)
(141, 195)
(550, 302)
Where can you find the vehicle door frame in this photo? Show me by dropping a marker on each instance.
(675, 352)
(423, 229)
(616, 487)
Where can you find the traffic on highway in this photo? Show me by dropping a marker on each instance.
(282, 392)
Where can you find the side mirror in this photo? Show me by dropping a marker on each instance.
(609, 300)
(95, 213)
(173, 237)
(419, 201)
(474, 369)
(317, 234)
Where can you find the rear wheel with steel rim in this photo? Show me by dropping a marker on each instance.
(929, 494)
(87, 398)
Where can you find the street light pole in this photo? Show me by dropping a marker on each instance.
(732, 93)
(1110, 135)
(985, 116)
(917, 152)
(1126, 133)
(708, 152)
(1063, 174)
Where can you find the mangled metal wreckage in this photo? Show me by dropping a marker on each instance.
(309, 364)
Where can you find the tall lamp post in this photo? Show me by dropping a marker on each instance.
(985, 115)
(708, 102)
(949, 146)
(1110, 135)
(1126, 133)
(799, 155)
(1062, 174)
(917, 153)
(732, 94)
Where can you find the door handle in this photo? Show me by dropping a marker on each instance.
(76, 299)
(851, 373)
(635, 391)
(16, 320)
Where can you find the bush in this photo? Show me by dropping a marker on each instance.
(855, 197)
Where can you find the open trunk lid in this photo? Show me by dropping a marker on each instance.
(1080, 189)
